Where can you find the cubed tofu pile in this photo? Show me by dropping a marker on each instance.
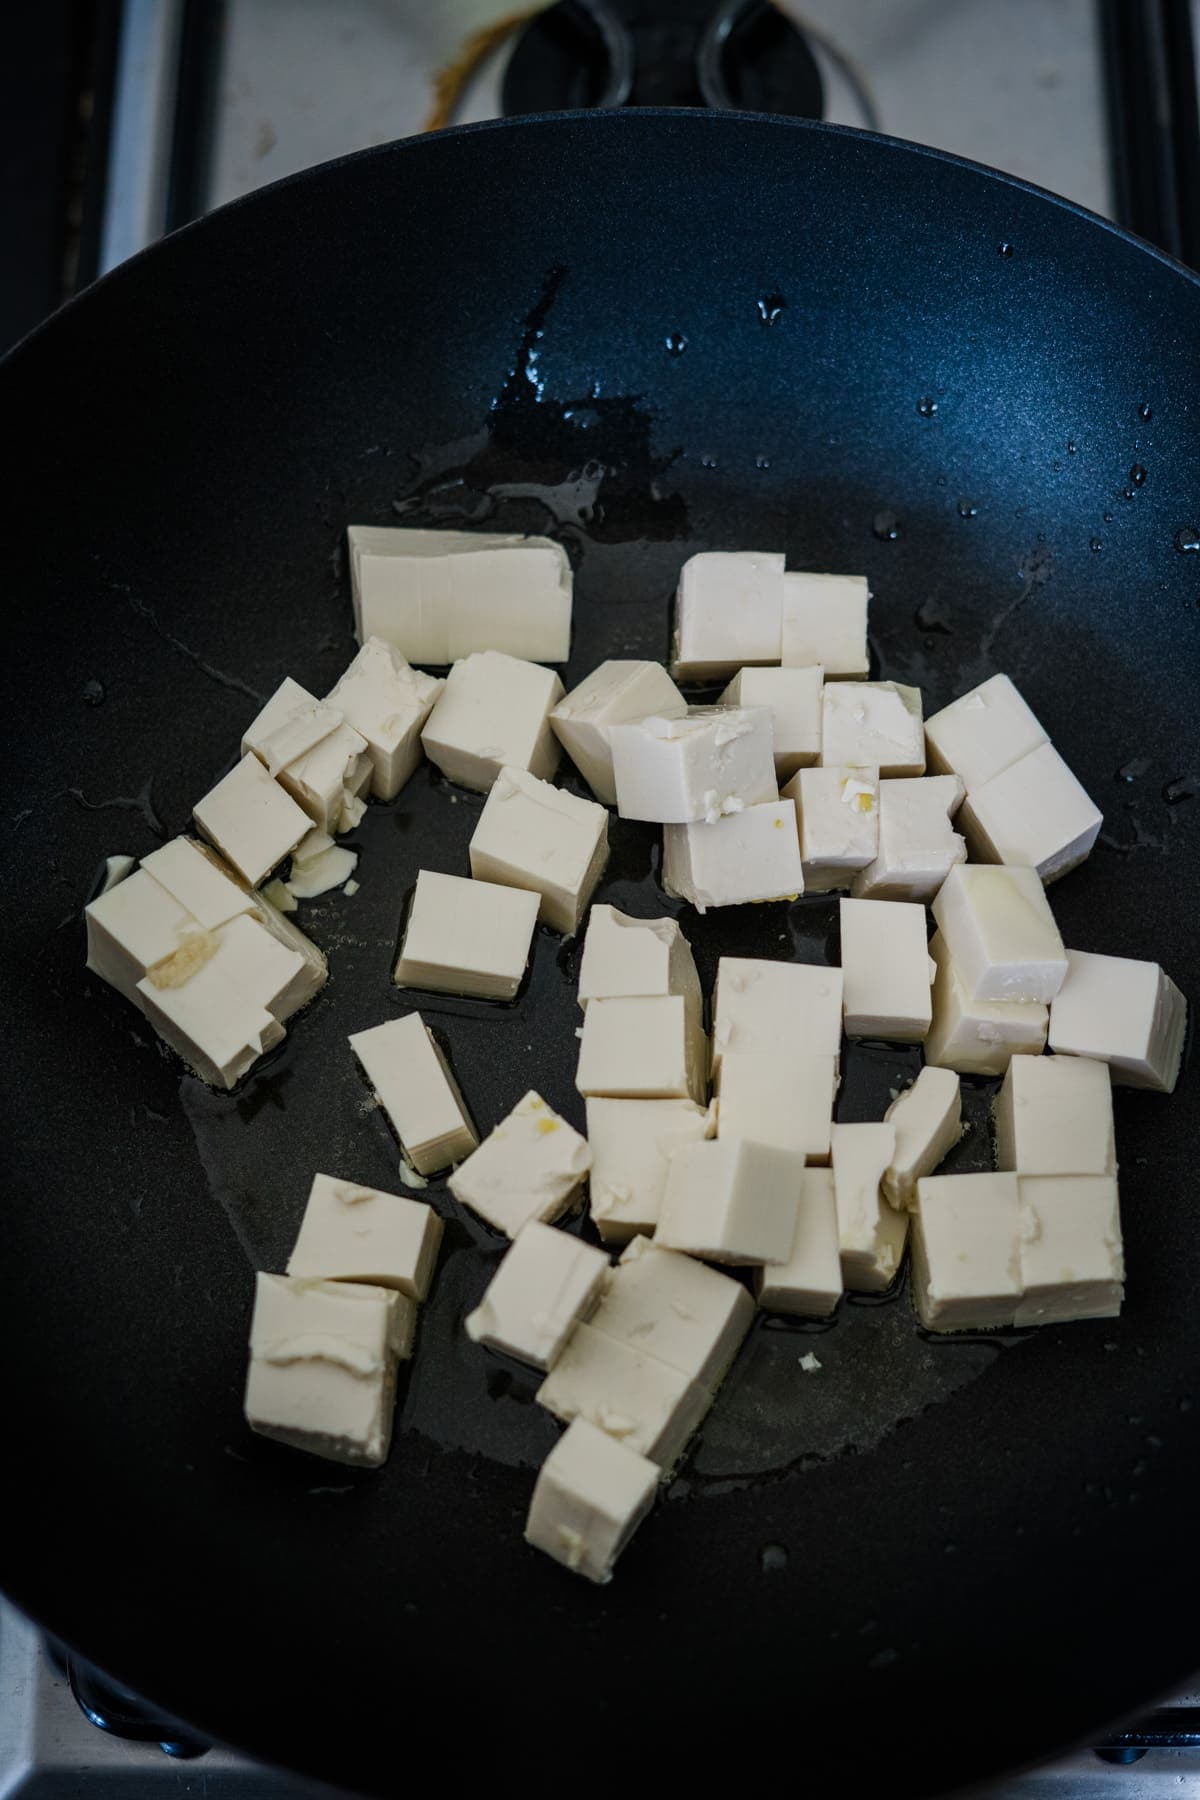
(712, 1165)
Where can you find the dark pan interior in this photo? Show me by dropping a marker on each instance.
(649, 334)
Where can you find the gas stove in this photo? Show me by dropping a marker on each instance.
(193, 104)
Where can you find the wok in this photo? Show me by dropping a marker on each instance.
(651, 334)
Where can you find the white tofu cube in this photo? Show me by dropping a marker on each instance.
(404, 1064)
(918, 846)
(1000, 933)
(251, 820)
(631, 1142)
(1071, 1255)
(1054, 1116)
(466, 937)
(493, 713)
(874, 725)
(793, 699)
(307, 746)
(642, 1049)
(315, 971)
(534, 836)
(354, 1233)
(732, 1201)
(871, 1234)
(715, 761)
(928, 1122)
(751, 856)
(131, 928)
(837, 812)
(886, 970)
(978, 1037)
(781, 1099)
(1033, 815)
(545, 1284)
(625, 957)
(825, 623)
(612, 694)
(1126, 1013)
(439, 595)
(530, 1167)
(790, 1009)
(387, 703)
(641, 1402)
(966, 1265)
(728, 612)
(323, 1358)
(982, 733)
(194, 877)
(675, 1309)
(291, 708)
(205, 1015)
(809, 1283)
(592, 1493)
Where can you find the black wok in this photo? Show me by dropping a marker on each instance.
(921, 1564)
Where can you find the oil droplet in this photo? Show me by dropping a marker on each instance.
(927, 406)
(773, 1558)
(708, 461)
(1095, 544)
(1004, 247)
(1187, 540)
(967, 509)
(1145, 410)
(1184, 787)
(676, 342)
(1137, 475)
(770, 307)
(1108, 518)
(1134, 769)
(762, 462)
(886, 527)
(92, 693)
(1072, 446)
(1129, 493)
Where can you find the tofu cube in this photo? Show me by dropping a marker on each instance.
(837, 811)
(874, 725)
(534, 836)
(625, 957)
(439, 595)
(493, 713)
(751, 856)
(251, 820)
(784, 1100)
(530, 1167)
(1000, 933)
(387, 703)
(546, 1283)
(631, 1142)
(966, 1257)
(789, 1009)
(982, 733)
(350, 1232)
(207, 1018)
(918, 846)
(673, 1308)
(675, 771)
(195, 878)
(322, 1373)
(404, 1064)
(978, 1037)
(1054, 1116)
(871, 1234)
(644, 1404)
(292, 722)
(1033, 815)
(132, 927)
(886, 970)
(728, 612)
(642, 1049)
(809, 1283)
(466, 937)
(731, 1201)
(1126, 1013)
(591, 1494)
(611, 695)
(1071, 1256)
(928, 1122)
(307, 746)
(793, 699)
(825, 623)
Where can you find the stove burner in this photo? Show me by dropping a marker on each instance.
(741, 55)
